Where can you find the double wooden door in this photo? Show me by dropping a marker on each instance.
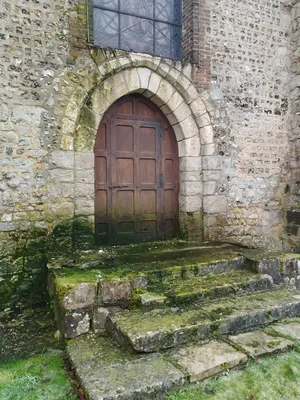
(136, 174)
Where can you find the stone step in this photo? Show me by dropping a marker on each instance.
(107, 371)
(145, 253)
(102, 279)
(199, 289)
(166, 328)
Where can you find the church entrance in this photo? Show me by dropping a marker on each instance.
(136, 174)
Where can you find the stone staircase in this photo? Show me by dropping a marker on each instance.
(146, 301)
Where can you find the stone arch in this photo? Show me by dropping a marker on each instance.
(166, 85)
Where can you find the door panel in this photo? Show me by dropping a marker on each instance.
(136, 174)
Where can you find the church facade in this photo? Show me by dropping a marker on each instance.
(125, 121)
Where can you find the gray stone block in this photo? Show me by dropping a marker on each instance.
(200, 362)
(259, 343)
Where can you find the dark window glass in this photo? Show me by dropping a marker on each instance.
(109, 4)
(136, 34)
(168, 11)
(106, 27)
(147, 26)
(167, 40)
(143, 8)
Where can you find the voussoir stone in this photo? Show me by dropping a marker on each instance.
(200, 362)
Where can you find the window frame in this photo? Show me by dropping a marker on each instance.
(154, 21)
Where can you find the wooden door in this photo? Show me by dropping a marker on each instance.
(136, 174)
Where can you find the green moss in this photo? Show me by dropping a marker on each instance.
(165, 319)
(254, 343)
(99, 348)
(88, 118)
(66, 281)
(289, 256)
(135, 298)
(273, 343)
(83, 226)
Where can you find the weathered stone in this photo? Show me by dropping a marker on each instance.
(115, 292)
(30, 114)
(191, 204)
(144, 74)
(140, 282)
(182, 112)
(211, 163)
(200, 362)
(108, 373)
(99, 319)
(189, 147)
(63, 211)
(3, 112)
(214, 204)
(84, 160)
(154, 83)
(61, 175)
(191, 189)
(209, 188)
(150, 301)
(84, 206)
(289, 329)
(190, 164)
(206, 133)
(161, 329)
(63, 159)
(76, 323)
(259, 343)
(272, 268)
(81, 296)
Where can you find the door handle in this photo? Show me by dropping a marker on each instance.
(117, 186)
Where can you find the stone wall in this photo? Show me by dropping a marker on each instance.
(49, 83)
(245, 182)
(293, 207)
(33, 52)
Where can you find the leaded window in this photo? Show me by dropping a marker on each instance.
(146, 26)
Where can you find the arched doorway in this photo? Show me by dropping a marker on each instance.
(136, 174)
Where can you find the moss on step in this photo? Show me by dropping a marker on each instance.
(194, 284)
(98, 348)
(137, 322)
(108, 264)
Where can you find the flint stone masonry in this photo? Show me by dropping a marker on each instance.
(250, 97)
(234, 109)
(293, 206)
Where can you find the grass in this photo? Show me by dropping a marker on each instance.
(35, 378)
(271, 378)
